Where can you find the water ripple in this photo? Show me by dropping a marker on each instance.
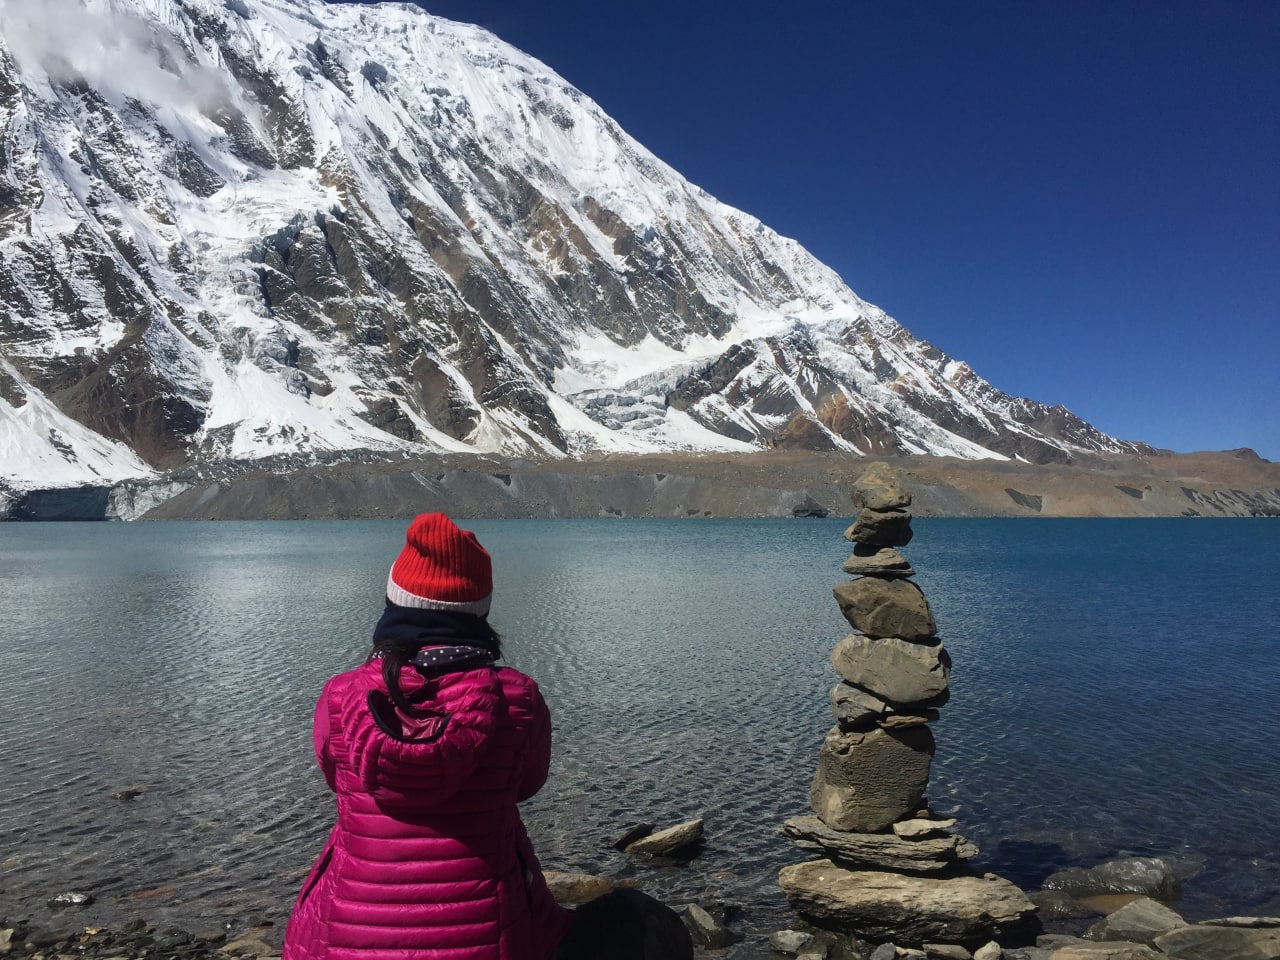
(1114, 692)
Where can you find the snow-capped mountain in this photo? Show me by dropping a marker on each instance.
(232, 230)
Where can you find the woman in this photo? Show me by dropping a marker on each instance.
(429, 746)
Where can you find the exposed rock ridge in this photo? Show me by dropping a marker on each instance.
(332, 228)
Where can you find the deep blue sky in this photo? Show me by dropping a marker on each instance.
(1081, 199)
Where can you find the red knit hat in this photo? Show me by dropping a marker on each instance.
(441, 568)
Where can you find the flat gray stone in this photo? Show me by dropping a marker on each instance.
(896, 721)
(917, 828)
(854, 708)
(1106, 951)
(878, 851)
(886, 608)
(866, 781)
(872, 561)
(910, 911)
(904, 673)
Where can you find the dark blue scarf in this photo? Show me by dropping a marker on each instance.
(438, 639)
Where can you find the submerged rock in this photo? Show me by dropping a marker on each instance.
(670, 841)
(632, 834)
(705, 929)
(1148, 876)
(72, 898)
(789, 942)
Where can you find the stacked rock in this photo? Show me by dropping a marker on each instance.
(873, 767)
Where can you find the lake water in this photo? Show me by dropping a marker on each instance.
(1115, 691)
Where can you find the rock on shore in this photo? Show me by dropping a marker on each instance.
(882, 906)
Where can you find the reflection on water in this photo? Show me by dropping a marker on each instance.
(1114, 692)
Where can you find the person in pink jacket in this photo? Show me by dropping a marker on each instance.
(428, 747)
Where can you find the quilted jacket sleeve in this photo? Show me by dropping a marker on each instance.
(537, 757)
(320, 738)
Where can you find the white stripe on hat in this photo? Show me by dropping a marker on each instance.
(403, 598)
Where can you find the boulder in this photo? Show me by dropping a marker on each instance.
(1139, 921)
(882, 906)
(886, 608)
(672, 840)
(880, 488)
(902, 672)
(866, 781)
(881, 528)
(869, 560)
(988, 951)
(947, 951)
(1211, 942)
(877, 851)
(1148, 876)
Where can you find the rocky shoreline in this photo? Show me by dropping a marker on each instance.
(1117, 910)
(770, 483)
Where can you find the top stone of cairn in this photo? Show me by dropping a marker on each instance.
(880, 488)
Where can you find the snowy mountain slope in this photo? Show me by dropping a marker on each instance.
(261, 227)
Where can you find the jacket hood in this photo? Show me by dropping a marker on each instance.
(419, 754)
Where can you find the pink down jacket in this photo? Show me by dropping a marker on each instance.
(429, 859)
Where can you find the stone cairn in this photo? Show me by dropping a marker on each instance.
(890, 871)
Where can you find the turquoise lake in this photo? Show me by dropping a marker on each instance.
(1115, 691)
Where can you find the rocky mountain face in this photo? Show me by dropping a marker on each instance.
(279, 228)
